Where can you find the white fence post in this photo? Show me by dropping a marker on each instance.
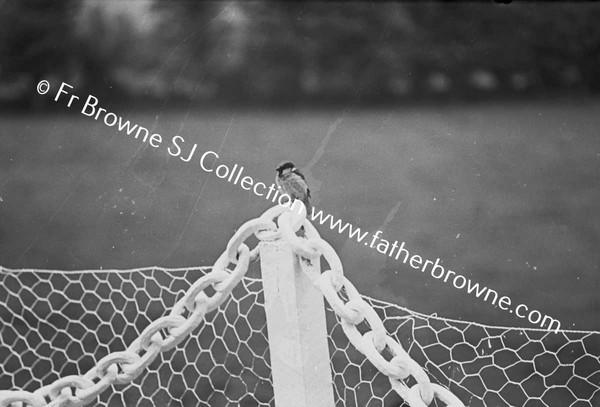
(296, 329)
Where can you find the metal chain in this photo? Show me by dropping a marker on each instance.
(356, 310)
(161, 335)
(167, 332)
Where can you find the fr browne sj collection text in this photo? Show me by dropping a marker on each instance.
(175, 147)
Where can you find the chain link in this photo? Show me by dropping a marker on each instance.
(13, 398)
(354, 311)
(160, 336)
(188, 312)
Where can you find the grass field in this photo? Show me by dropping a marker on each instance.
(506, 194)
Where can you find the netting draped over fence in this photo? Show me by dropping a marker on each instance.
(56, 324)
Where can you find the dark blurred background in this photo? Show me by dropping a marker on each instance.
(469, 131)
(287, 53)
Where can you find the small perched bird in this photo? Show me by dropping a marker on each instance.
(292, 182)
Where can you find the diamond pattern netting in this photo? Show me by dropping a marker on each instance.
(58, 323)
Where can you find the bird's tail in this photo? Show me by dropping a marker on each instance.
(306, 202)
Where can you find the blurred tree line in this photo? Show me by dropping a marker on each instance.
(281, 52)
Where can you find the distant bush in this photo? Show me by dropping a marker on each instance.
(286, 52)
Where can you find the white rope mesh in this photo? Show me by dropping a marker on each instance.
(56, 324)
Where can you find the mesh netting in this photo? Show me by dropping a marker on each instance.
(56, 324)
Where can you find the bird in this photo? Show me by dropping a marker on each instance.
(292, 182)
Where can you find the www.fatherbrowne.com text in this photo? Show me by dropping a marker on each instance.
(460, 282)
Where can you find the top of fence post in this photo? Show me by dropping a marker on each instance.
(297, 330)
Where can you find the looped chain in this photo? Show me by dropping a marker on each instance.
(248, 229)
(355, 311)
(414, 395)
(345, 312)
(189, 311)
(106, 371)
(10, 398)
(60, 392)
(161, 335)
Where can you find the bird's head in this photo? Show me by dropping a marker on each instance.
(285, 167)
